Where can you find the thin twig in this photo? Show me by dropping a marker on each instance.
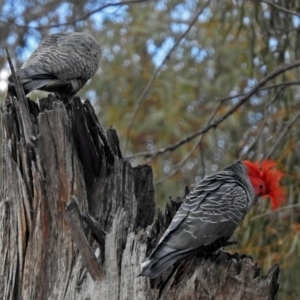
(283, 134)
(158, 69)
(278, 94)
(276, 6)
(258, 135)
(203, 171)
(179, 166)
(274, 211)
(80, 19)
(245, 98)
(18, 86)
(283, 84)
(21, 103)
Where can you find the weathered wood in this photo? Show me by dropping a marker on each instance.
(97, 233)
(71, 155)
(74, 219)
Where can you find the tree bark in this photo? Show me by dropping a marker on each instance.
(77, 220)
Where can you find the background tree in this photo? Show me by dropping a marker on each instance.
(172, 69)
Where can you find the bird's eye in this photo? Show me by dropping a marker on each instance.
(260, 186)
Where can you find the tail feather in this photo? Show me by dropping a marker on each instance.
(32, 78)
(32, 72)
(28, 86)
(155, 264)
(35, 85)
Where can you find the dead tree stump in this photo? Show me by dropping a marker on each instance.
(76, 219)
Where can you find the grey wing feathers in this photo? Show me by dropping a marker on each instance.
(199, 223)
(211, 211)
(64, 56)
(62, 63)
(153, 266)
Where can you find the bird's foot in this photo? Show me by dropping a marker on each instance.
(229, 243)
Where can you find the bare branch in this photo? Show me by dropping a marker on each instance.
(281, 84)
(245, 98)
(86, 16)
(276, 6)
(182, 163)
(275, 211)
(283, 134)
(158, 69)
(179, 166)
(258, 135)
(272, 86)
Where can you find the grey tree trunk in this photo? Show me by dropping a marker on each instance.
(64, 180)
